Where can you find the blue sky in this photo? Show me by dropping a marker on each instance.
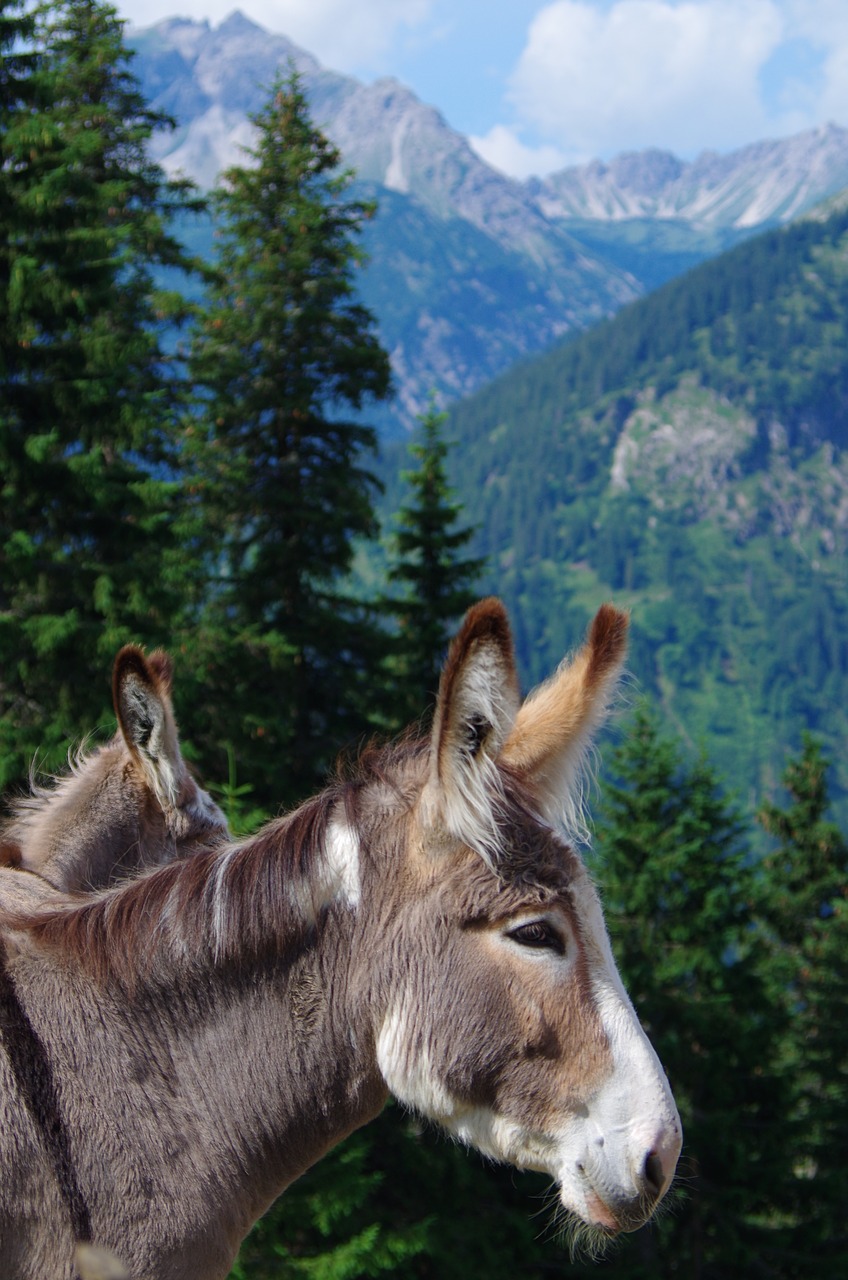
(537, 85)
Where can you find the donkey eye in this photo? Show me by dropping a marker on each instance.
(538, 934)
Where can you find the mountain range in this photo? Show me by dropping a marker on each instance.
(470, 270)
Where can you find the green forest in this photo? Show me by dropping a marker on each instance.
(222, 494)
(688, 457)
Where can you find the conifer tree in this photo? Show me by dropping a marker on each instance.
(436, 579)
(87, 410)
(18, 63)
(804, 901)
(285, 358)
(677, 888)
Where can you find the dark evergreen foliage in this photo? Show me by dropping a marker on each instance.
(281, 352)
(804, 905)
(435, 579)
(678, 885)
(87, 402)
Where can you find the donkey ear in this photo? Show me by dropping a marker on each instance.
(477, 702)
(161, 665)
(141, 695)
(553, 730)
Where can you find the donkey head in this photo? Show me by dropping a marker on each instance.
(504, 1017)
(131, 804)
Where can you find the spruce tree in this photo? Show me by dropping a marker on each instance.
(87, 407)
(804, 907)
(18, 63)
(435, 578)
(285, 359)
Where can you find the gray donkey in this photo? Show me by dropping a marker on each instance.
(178, 1049)
(130, 804)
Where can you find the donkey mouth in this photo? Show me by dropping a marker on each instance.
(601, 1216)
(613, 1214)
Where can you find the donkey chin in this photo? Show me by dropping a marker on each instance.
(606, 1186)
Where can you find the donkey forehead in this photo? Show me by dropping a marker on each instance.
(422, 857)
(535, 868)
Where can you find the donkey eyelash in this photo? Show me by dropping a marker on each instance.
(539, 935)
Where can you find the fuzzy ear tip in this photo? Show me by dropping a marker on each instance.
(487, 619)
(129, 660)
(610, 618)
(162, 666)
(608, 637)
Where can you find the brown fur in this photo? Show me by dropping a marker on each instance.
(554, 727)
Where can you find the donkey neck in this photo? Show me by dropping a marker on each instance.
(273, 1066)
(93, 826)
(218, 1079)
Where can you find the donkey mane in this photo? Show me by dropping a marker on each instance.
(242, 898)
(253, 897)
(25, 810)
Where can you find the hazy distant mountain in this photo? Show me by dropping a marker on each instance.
(762, 183)
(470, 270)
(466, 275)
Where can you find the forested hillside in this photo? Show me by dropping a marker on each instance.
(687, 458)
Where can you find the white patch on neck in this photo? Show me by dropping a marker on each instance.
(336, 879)
(409, 1075)
(341, 864)
(219, 895)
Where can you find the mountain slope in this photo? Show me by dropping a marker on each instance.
(468, 274)
(470, 270)
(688, 458)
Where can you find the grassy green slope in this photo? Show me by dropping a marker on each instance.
(686, 458)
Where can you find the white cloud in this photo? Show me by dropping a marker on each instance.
(343, 36)
(502, 149)
(647, 72)
(832, 102)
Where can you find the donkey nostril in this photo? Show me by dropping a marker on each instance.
(653, 1174)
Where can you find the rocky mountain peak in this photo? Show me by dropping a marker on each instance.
(773, 180)
(644, 173)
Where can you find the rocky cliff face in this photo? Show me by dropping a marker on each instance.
(211, 79)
